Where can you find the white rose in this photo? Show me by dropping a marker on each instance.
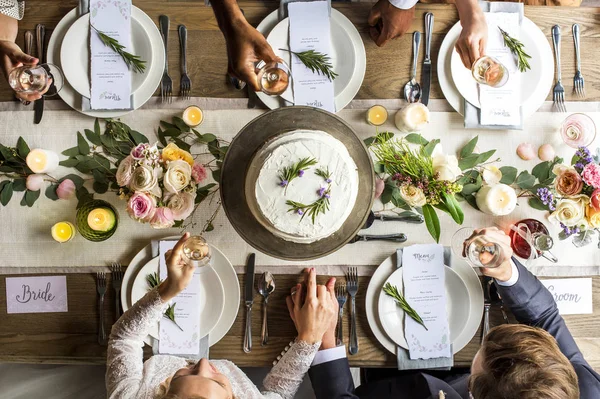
(181, 204)
(145, 179)
(412, 195)
(559, 169)
(571, 211)
(125, 171)
(445, 167)
(177, 176)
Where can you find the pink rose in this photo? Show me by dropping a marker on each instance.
(141, 206)
(379, 187)
(125, 171)
(163, 218)
(199, 172)
(595, 199)
(66, 189)
(591, 175)
(181, 204)
(34, 182)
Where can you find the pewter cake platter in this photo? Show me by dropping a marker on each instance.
(237, 163)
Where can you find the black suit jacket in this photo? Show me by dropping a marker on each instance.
(528, 300)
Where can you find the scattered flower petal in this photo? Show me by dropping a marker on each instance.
(526, 151)
(546, 152)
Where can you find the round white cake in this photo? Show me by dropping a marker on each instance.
(272, 195)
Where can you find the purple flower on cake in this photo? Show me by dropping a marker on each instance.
(328, 180)
(141, 206)
(66, 189)
(591, 175)
(300, 212)
(125, 171)
(163, 218)
(321, 191)
(182, 204)
(199, 172)
(283, 183)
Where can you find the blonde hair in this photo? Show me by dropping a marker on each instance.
(523, 362)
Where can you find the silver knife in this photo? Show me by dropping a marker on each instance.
(426, 71)
(40, 36)
(249, 280)
(28, 50)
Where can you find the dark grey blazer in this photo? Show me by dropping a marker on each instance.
(528, 300)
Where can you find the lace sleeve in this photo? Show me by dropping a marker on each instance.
(12, 8)
(125, 355)
(287, 375)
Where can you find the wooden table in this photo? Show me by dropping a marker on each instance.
(71, 337)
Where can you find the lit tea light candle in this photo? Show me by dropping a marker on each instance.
(42, 161)
(496, 200)
(101, 219)
(412, 118)
(193, 116)
(63, 232)
(377, 115)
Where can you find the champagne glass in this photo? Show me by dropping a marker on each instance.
(489, 71)
(197, 251)
(578, 130)
(43, 78)
(481, 252)
(273, 77)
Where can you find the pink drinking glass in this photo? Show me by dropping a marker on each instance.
(578, 130)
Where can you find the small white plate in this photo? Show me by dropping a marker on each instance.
(211, 297)
(75, 54)
(457, 307)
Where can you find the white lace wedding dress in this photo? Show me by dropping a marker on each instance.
(129, 377)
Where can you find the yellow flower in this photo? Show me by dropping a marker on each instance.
(593, 216)
(174, 153)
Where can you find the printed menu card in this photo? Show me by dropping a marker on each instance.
(310, 30)
(423, 274)
(183, 336)
(110, 76)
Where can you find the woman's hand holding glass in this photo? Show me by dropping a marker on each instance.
(179, 271)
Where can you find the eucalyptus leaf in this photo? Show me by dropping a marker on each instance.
(209, 227)
(92, 137)
(525, 180)
(468, 162)
(100, 187)
(216, 175)
(471, 200)
(386, 195)
(6, 153)
(214, 148)
(138, 138)
(429, 147)
(469, 147)
(485, 156)
(97, 130)
(379, 167)
(99, 177)
(369, 141)
(31, 196)
(172, 132)
(51, 192)
(168, 125)
(69, 163)
(208, 137)
(108, 142)
(416, 138)
(6, 193)
(397, 199)
(19, 185)
(161, 137)
(536, 203)
(471, 188)
(182, 144)
(71, 152)
(102, 161)
(541, 171)
(432, 222)
(82, 144)
(181, 125)
(22, 148)
(509, 175)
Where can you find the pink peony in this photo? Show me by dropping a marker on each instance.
(138, 151)
(163, 218)
(34, 182)
(591, 175)
(199, 172)
(181, 204)
(141, 206)
(379, 186)
(125, 171)
(595, 199)
(66, 189)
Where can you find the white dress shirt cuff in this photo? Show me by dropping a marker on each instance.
(404, 4)
(329, 355)
(513, 279)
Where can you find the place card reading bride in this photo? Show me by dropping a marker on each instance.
(423, 274)
(40, 294)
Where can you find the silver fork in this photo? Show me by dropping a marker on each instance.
(578, 83)
(342, 296)
(352, 289)
(166, 84)
(558, 94)
(117, 279)
(186, 83)
(101, 288)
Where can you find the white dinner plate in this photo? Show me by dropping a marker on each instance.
(222, 267)
(457, 307)
(72, 98)
(211, 295)
(465, 272)
(75, 54)
(348, 57)
(457, 83)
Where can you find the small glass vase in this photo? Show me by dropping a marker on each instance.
(82, 221)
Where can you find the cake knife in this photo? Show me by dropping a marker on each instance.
(385, 237)
(426, 70)
(249, 289)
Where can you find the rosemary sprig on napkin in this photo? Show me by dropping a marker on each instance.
(154, 281)
(313, 210)
(131, 60)
(289, 173)
(516, 47)
(392, 291)
(316, 62)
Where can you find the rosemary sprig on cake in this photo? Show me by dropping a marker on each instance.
(131, 60)
(289, 173)
(153, 281)
(316, 208)
(392, 291)
(516, 47)
(325, 174)
(317, 62)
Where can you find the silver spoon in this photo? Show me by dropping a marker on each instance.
(412, 89)
(266, 286)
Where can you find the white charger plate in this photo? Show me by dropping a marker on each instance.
(75, 54)
(457, 83)
(348, 57)
(211, 295)
(457, 307)
(220, 264)
(73, 99)
(466, 273)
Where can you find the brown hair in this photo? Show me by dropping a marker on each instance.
(523, 362)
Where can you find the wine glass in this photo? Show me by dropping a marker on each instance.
(28, 79)
(489, 71)
(480, 252)
(578, 130)
(273, 77)
(530, 239)
(197, 251)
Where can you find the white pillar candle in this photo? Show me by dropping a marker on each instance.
(496, 200)
(412, 118)
(42, 161)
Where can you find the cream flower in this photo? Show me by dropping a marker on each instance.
(412, 195)
(145, 179)
(125, 171)
(571, 211)
(182, 204)
(445, 167)
(177, 176)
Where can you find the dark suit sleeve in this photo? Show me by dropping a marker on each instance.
(332, 380)
(532, 304)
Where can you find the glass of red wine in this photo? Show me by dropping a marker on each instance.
(530, 239)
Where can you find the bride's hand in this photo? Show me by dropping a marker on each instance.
(179, 272)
